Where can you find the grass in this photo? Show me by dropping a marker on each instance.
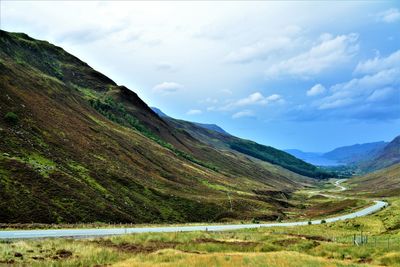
(278, 259)
(252, 247)
(329, 244)
(57, 252)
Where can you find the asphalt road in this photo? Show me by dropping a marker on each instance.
(81, 233)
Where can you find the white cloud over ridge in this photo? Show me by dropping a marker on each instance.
(167, 87)
(194, 112)
(256, 98)
(243, 114)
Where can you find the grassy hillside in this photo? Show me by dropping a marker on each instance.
(385, 182)
(76, 147)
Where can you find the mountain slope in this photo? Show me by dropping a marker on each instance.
(212, 127)
(234, 144)
(355, 153)
(390, 155)
(76, 147)
(384, 182)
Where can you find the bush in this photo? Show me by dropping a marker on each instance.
(11, 117)
(323, 221)
(309, 222)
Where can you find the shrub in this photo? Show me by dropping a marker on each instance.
(323, 221)
(11, 117)
(309, 222)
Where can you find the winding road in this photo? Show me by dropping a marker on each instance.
(81, 233)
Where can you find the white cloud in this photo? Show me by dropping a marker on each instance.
(194, 112)
(167, 87)
(379, 63)
(389, 16)
(374, 87)
(316, 90)
(273, 98)
(242, 114)
(259, 50)
(254, 99)
(328, 53)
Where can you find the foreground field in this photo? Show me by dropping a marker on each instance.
(312, 245)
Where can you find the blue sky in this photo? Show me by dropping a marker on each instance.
(312, 76)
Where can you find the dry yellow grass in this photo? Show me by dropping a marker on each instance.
(170, 257)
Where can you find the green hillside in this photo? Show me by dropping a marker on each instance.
(76, 147)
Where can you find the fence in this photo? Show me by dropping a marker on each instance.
(389, 242)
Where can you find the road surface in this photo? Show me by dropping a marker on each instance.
(22, 234)
(338, 184)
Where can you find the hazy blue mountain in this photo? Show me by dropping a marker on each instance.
(360, 155)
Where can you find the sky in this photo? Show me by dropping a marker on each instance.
(305, 75)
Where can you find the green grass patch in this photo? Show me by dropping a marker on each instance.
(84, 175)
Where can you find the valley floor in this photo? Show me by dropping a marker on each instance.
(331, 244)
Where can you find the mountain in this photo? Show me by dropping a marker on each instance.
(212, 127)
(77, 147)
(386, 157)
(314, 158)
(232, 144)
(159, 112)
(355, 153)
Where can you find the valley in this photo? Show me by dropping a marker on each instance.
(90, 175)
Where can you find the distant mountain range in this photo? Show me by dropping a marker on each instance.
(367, 157)
(355, 153)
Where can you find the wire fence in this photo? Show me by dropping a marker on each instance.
(361, 239)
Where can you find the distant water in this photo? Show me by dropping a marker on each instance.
(314, 158)
(321, 161)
